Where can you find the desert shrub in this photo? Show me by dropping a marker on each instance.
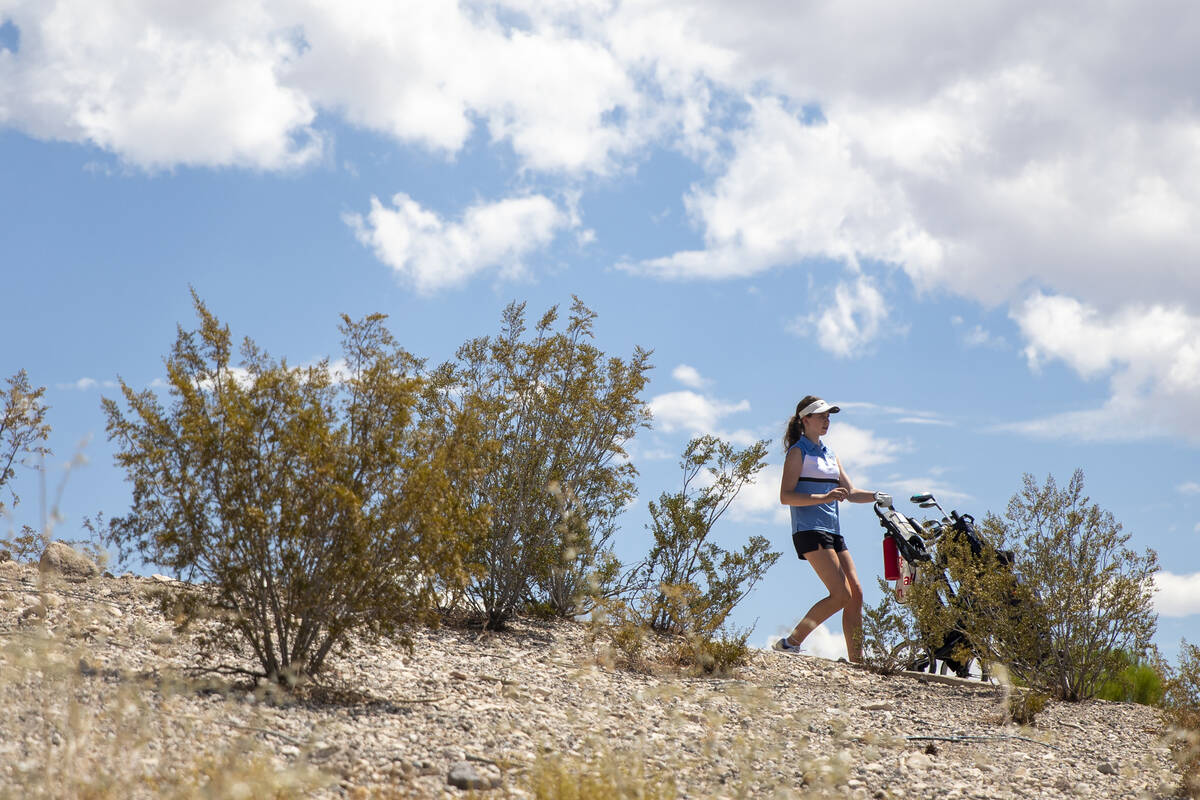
(689, 584)
(311, 501)
(717, 653)
(622, 634)
(890, 640)
(1139, 679)
(1023, 707)
(1181, 702)
(23, 429)
(1095, 594)
(122, 740)
(1059, 619)
(558, 413)
(601, 776)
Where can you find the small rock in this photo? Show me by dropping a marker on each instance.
(1107, 768)
(63, 559)
(879, 707)
(1062, 784)
(161, 578)
(464, 775)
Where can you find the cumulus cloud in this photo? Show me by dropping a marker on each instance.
(1048, 146)
(227, 83)
(1150, 355)
(1177, 595)
(792, 191)
(160, 84)
(849, 324)
(859, 449)
(691, 412)
(1188, 487)
(431, 253)
(689, 376)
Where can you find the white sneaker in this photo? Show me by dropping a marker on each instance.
(781, 644)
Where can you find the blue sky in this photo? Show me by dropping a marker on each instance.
(974, 226)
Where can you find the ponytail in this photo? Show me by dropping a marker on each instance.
(794, 429)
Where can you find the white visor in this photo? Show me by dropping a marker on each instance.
(818, 407)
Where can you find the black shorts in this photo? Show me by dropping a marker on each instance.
(807, 541)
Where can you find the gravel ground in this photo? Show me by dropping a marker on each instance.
(96, 686)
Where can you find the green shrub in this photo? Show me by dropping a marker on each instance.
(688, 584)
(1139, 680)
(22, 430)
(1059, 620)
(312, 502)
(558, 413)
(1181, 701)
(890, 640)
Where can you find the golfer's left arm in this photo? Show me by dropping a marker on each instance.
(853, 495)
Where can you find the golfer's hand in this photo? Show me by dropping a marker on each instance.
(837, 495)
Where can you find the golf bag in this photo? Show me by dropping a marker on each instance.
(910, 555)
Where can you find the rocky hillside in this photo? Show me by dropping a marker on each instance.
(100, 702)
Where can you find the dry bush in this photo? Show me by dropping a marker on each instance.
(890, 641)
(555, 415)
(85, 737)
(602, 776)
(1067, 611)
(313, 501)
(1181, 702)
(689, 584)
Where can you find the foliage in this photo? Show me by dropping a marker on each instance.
(558, 414)
(1024, 706)
(890, 640)
(312, 502)
(717, 653)
(22, 426)
(1181, 701)
(1074, 600)
(601, 776)
(1138, 680)
(689, 583)
(1096, 594)
(119, 740)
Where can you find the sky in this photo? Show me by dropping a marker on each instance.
(974, 226)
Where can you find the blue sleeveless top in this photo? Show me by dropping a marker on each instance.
(819, 474)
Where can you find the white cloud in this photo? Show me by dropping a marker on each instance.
(1188, 487)
(689, 376)
(1150, 354)
(857, 316)
(1177, 595)
(691, 412)
(759, 501)
(1038, 145)
(432, 253)
(160, 84)
(229, 83)
(85, 384)
(792, 191)
(859, 449)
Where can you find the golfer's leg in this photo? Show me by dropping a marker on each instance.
(825, 563)
(852, 612)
